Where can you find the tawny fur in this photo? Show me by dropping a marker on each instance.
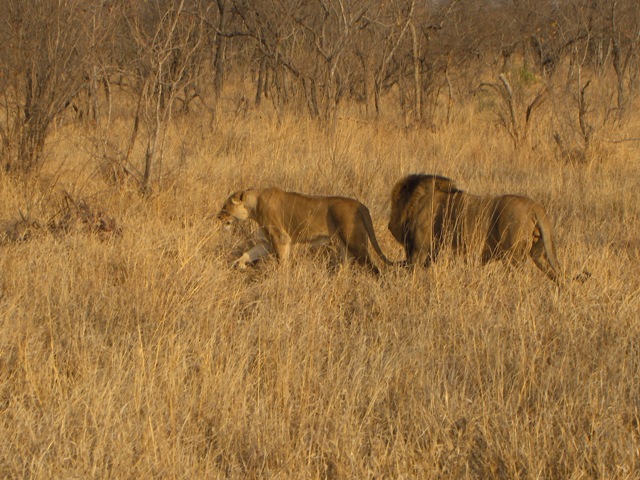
(285, 218)
(429, 211)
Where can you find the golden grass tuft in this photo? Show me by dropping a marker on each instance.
(144, 355)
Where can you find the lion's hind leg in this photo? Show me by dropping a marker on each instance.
(511, 242)
(539, 255)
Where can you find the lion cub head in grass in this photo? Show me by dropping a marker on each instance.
(429, 212)
(285, 218)
(239, 206)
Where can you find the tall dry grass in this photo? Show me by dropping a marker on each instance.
(146, 356)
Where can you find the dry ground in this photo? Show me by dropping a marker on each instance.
(144, 355)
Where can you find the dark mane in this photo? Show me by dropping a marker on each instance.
(411, 182)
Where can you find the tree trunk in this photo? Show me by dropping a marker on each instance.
(416, 73)
(221, 45)
(261, 80)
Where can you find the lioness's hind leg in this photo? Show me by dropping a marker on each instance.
(343, 253)
(364, 259)
(356, 244)
(349, 253)
(361, 254)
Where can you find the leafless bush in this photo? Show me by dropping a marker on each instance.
(515, 120)
(43, 51)
(313, 57)
(20, 230)
(168, 37)
(79, 216)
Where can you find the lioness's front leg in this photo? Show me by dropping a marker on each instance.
(281, 242)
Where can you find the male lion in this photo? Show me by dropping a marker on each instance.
(428, 211)
(288, 217)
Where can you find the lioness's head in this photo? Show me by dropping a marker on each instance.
(234, 208)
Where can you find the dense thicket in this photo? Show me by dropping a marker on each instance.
(312, 56)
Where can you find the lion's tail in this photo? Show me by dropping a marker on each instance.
(544, 225)
(546, 233)
(368, 223)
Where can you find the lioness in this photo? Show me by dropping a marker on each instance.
(288, 217)
(429, 210)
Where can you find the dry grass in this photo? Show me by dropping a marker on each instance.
(145, 355)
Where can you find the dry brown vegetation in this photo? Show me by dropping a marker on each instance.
(146, 355)
(130, 349)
